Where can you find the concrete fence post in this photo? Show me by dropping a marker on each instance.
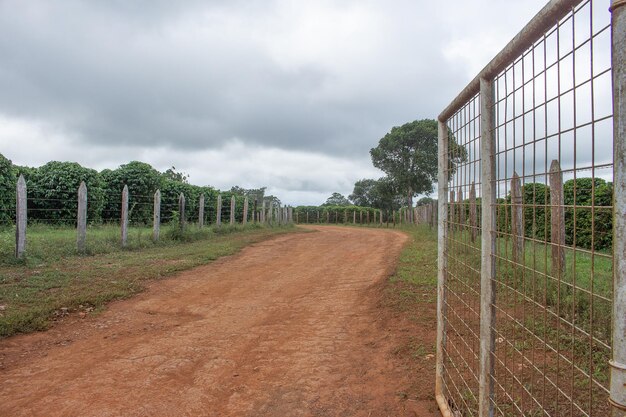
(245, 211)
(218, 211)
(81, 218)
(232, 210)
(617, 397)
(442, 232)
(201, 212)
(318, 216)
(307, 216)
(156, 216)
(488, 249)
(20, 217)
(328, 216)
(124, 219)
(353, 216)
(517, 219)
(262, 212)
(254, 212)
(557, 219)
(182, 216)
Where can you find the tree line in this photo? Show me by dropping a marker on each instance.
(52, 192)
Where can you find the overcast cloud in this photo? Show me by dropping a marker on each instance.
(285, 94)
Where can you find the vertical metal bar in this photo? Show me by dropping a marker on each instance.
(488, 243)
(442, 184)
(618, 363)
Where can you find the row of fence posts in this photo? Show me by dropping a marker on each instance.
(276, 215)
(424, 214)
(458, 211)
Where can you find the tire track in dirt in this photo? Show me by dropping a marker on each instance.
(287, 327)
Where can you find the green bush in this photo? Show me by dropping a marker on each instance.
(8, 177)
(53, 192)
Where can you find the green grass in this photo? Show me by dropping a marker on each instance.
(53, 278)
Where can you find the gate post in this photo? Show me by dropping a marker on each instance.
(618, 363)
(442, 186)
(488, 247)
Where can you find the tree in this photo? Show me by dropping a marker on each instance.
(336, 199)
(408, 155)
(362, 193)
(381, 193)
(53, 191)
(142, 181)
(173, 175)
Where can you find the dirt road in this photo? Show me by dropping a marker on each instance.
(288, 327)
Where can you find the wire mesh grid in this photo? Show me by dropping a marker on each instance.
(553, 213)
(553, 156)
(462, 304)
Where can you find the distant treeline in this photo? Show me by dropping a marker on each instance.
(334, 213)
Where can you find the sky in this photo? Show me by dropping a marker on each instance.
(290, 95)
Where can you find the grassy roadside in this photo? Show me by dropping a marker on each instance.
(33, 294)
(410, 296)
(415, 280)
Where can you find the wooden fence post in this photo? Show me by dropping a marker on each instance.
(20, 217)
(156, 217)
(124, 220)
(218, 211)
(557, 219)
(245, 211)
(201, 212)
(181, 211)
(232, 210)
(81, 223)
(517, 219)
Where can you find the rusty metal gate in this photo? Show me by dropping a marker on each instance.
(532, 223)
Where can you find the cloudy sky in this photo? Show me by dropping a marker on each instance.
(285, 94)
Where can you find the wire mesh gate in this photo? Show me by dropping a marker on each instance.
(531, 210)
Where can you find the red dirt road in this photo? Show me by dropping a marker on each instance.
(292, 326)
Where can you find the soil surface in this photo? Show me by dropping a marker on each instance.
(293, 326)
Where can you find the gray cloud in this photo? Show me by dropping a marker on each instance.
(325, 77)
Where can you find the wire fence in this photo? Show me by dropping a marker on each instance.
(528, 308)
(57, 220)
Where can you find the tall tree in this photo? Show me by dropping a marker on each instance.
(381, 193)
(336, 199)
(362, 193)
(408, 155)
